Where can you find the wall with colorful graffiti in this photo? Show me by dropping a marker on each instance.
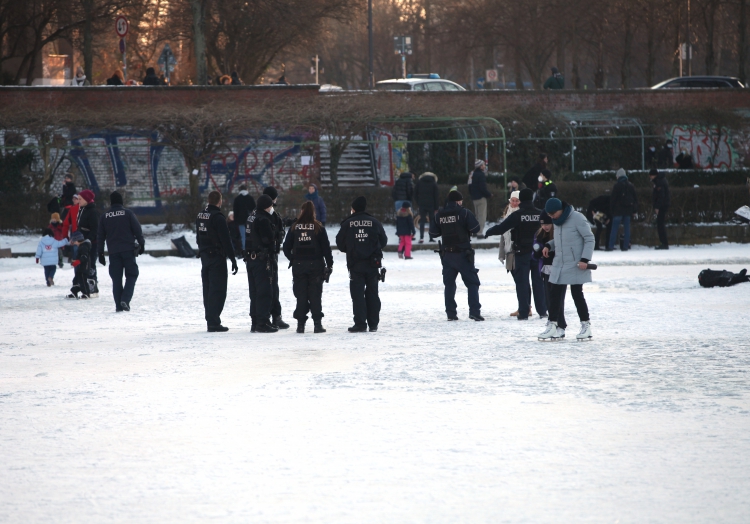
(391, 157)
(710, 147)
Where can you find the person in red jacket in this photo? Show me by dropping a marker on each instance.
(70, 225)
(58, 232)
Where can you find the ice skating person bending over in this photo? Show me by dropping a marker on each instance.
(573, 244)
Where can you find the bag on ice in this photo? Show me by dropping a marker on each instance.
(711, 278)
(182, 246)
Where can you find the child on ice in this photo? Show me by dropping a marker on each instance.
(46, 252)
(56, 225)
(405, 230)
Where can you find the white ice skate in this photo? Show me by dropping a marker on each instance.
(585, 334)
(559, 335)
(549, 333)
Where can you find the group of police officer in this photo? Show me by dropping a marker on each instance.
(308, 249)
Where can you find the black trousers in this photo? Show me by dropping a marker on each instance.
(260, 284)
(548, 294)
(524, 265)
(460, 263)
(599, 228)
(214, 275)
(661, 227)
(308, 289)
(119, 262)
(557, 297)
(276, 305)
(81, 281)
(363, 288)
(425, 217)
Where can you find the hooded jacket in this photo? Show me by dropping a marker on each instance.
(624, 200)
(403, 189)
(661, 199)
(46, 250)
(478, 185)
(405, 223)
(426, 192)
(320, 205)
(88, 224)
(243, 205)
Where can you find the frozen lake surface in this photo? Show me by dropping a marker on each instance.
(143, 416)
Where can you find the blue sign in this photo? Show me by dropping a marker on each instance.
(480, 82)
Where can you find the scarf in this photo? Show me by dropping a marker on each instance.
(562, 218)
(80, 80)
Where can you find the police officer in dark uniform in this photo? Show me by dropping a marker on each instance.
(363, 238)
(260, 257)
(120, 228)
(278, 225)
(523, 226)
(214, 245)
(309, 253)
(456, 224)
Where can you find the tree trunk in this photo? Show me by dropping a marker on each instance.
(626, 54)
(650, 43)
(88, 39)
(198, 8)
(742, 41)
(709, 20)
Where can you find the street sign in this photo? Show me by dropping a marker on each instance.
(480, 82)
(122, 46)
(402, 45)
(167, 60)
(491, 75)
(121, 26)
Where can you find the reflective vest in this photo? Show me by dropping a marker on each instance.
(206, 235)
(305, 241)
(452, 227)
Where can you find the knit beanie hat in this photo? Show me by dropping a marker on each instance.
(359, 205)
(526, 195)
(271, 191)
(515, 194)
(455, 196)
(621, 174)
(115, 198)
(87, 195)
(553, 205)
(405, 204)
(544, 218)
(479, 163)
(653, 172)
(264, 202)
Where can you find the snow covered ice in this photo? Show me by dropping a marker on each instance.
(143, 416)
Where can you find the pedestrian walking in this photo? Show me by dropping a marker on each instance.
(317, 200)
(363, 238)
(309, 252)
(260, 258)
(573, 244)
(405, 230)
(479, 194)
(455, 224)
(214, 247)
(88, 225)
(243, 205)
(427, 197)
(120, 230)
(58, 233)
(661, 202)
(47, 253)
(624, 204)
(403, 189)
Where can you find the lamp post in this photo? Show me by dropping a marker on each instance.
(371, 76)
(688, 47)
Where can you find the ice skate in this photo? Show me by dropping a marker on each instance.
(71, 295)
(549, 333)
(560, 335)
(585, 333)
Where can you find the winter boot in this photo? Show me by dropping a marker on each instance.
(585, 333)
(217, 329)
(400, 254)
(301, 325)
(477, 317)
(49, 281)
(125, 306)
(319, 328)
(266, 327)
(279, 323)
(549, 333)
(357, 329)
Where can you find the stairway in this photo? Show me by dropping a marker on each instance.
(355, 166)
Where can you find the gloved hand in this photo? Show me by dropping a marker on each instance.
(234, 267)
(37, 260)
(141, 248)
(101, 259)
(76, 263)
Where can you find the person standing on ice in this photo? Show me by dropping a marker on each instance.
(573, 244)
(309, 252)
(278, 225)
(363, 238)
(120, 229)
(214, 246)
(260, 258)
(456, 224)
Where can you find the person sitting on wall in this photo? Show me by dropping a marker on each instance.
(116, 79)
(151, 79)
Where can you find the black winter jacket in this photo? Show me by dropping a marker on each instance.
(69, 189)
(405, 224)
(599, 205)
(88, 224)
(242, 206)
(426, 193)
(478, 186)
(531, 178)
(323, 243)
(661, 199)
(403, 189)
(119, 229)
(624, 200)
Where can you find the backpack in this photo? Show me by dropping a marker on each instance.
(711, 278)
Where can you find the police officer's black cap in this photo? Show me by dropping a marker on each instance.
(360, 204)
(271, 191)
(526, 195)
(455, 196)
(264, 202)
(115, 198)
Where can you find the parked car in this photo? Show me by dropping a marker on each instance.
(693, 82)
(431, 82)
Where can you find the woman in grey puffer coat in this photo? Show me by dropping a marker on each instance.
(573, 245)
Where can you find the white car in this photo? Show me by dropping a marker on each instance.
(431, 82)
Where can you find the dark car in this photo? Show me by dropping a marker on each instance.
(701, 82)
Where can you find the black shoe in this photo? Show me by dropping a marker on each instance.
(477, 317)
(519, 318)
(253, 328)
(664, 246)
(279, 323)
(452, 317)
(373, 329)
(217, 329)
(301, 326)
(543, 316)
(319, 328)
(125, 306)
(357, 329)
(609, 249)
(266, 327)
(71, 295)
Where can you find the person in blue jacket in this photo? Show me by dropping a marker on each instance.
(46, 253)
(317, 200)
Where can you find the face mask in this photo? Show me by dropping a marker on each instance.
(271, 211)
(541, 178)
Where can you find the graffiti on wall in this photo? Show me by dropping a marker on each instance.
(710, 147)
(390, 156)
